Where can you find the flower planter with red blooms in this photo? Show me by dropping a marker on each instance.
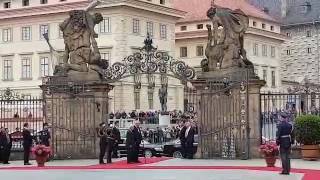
(41, 153)
(270, 152)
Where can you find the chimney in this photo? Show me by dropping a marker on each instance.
(284, 8)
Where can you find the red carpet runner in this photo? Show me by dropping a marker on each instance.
(308, 174)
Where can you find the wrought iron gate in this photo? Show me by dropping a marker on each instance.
(223, 107)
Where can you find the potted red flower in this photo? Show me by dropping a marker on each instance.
(41, 153)
(270, 152)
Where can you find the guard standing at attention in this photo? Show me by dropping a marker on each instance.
(103, 141)
(117, 136)
(44, 135)
(285, 137)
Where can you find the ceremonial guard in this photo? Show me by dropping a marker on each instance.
(110, 144)
(103, 141)
(44, 135)
(117, 136)
(27, 143)
(285, 137)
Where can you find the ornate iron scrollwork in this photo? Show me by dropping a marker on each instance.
(149, 61)
(8, 94)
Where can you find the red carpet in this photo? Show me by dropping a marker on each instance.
(308, 174)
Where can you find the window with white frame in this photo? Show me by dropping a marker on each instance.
(163, 31)
(309, 50)
(44, 28)
(7, 69)
(150, 28)
(199, 50)
(136, 26)
(26, 68)
(106, 56)
(255, 49)
(105, 25)
(43, 1)
(264, 50)
(7, 5)
(25, 2)
(44, 66)
(183, 52)
(60, 32)
(26, 33)
(265, 75)
(7, 35)
(273, 78)
(273, 51)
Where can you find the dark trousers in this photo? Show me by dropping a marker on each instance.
(109, 152)
(187, 151)
(285, 159)
(26, 154)
(6, 154)
(130, 155)
(103, 148)
(136, 154)
(115, 150)
(2, 154)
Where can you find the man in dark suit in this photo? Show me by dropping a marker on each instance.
(7, 147)
(117, 136)
(137, 140)
(2, 144)
(130, 145)
(103, 142)
(285, 137)
(187, 140)
(27, 143)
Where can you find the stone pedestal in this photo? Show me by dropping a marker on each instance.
(74, 110)
(164, 120)
(228, 116)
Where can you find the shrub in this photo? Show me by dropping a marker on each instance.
(307, 129)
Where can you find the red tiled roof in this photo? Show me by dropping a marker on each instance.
(197, 9)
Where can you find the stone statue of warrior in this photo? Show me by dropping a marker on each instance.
(163, 95)
(81, 50)
(226, 48)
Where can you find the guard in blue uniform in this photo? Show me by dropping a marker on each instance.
(44, 135)
(285, 137)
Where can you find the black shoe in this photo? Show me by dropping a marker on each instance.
(284, 173)
(102, 163)
(27, 164)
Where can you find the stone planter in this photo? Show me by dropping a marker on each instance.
(41, 160)
(270, 160)
(310, 152)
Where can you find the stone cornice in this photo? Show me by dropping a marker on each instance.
(41, 10)
(143, 5)
(253, 31)
(65, 7)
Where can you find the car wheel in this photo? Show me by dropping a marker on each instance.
(177, 154)
(148, 153)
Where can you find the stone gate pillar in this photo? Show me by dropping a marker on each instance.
(74, 110)
(228, 117)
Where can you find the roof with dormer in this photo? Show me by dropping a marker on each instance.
(296, 11)
(197, 9)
